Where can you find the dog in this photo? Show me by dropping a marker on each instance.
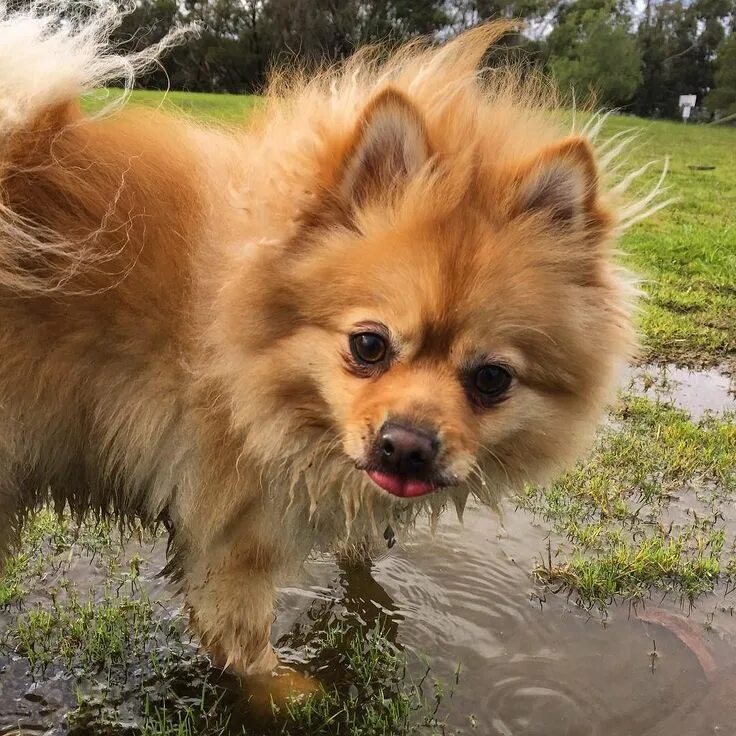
(392, 287)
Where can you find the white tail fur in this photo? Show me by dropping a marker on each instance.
(50, 54)
(54, 52)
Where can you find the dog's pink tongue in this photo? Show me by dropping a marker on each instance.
(399, 486)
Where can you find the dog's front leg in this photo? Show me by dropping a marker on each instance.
(230, 593)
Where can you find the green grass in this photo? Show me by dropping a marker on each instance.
(220, 108)
(92, 635)
(375, 695)
(47, 535)
(194, 720)
(686, 253)
(645, 511)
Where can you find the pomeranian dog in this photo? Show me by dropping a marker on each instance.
(391, 287)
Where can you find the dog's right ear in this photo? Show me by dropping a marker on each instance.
(561, 184)
(388, 148)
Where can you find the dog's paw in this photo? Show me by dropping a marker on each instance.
(264, 663)
(266, 691)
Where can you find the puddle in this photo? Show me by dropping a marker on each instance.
(697, 392)
(532, 668)
(464, 596)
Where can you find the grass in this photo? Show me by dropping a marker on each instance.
(375, 694)
(92, 635)
(645, 511)
(45, 537)
(216, 108)
(369, 692)
(686, 253)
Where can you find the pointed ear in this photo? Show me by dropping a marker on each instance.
(389, 147)
(562, 184)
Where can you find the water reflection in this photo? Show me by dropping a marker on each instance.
(696, 391)
(355, 597)
(464, 596)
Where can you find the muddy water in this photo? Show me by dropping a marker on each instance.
(531, 663)
(697, 392)
(540, 668)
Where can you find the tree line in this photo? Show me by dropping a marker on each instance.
(636, 55)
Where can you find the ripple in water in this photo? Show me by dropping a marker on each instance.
(464, 596)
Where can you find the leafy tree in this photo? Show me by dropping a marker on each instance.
(320, 30)
(722, 98)
(593, 52)
(643, 52)
(464, 14)
(146, 24)
(678, 42)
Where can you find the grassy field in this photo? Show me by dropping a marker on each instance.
(645, 512)
(215, 108)
(686, 254)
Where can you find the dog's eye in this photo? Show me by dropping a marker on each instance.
(490, 383)
(368, 348)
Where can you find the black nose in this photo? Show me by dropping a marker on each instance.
(406, 451)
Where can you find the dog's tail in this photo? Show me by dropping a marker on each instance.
(50, 55)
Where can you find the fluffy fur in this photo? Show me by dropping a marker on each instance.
(176, 300)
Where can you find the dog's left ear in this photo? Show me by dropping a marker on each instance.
(389, 146)
(561, 184)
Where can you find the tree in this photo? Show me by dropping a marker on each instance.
(678, 41)
(319, 30)
(643, 53)
(592, 52)
(146, 24)
(722, 99)
(464, 14)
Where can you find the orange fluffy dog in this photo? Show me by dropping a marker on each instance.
(391, 289)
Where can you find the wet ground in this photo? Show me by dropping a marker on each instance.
(697, 392)
(531, 662)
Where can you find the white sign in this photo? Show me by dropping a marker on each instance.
(687, 103)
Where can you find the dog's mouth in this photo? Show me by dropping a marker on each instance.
(405, 460)
(407, 486)
(399, 486)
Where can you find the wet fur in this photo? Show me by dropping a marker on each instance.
(175, 302)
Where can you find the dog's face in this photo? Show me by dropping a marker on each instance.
(438, 332)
